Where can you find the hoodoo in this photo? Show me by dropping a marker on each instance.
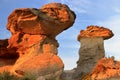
(91, 48)
(34, 34)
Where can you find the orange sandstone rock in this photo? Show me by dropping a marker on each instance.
(96, 31)
(33, 38)
(50, 20)
(36, 44)
(106, 68)
(41, 64)
(5, 69)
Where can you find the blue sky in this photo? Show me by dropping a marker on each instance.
(89, 12)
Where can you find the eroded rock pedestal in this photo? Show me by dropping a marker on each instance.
(91, 49)
(33, 37)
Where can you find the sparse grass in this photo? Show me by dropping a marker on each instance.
(7, 76)
(28, 76)
(53, 78)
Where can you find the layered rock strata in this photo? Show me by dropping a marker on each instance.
(91, 48)
(33, 36)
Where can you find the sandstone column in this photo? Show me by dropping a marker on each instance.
(91, 48)
(34, 34)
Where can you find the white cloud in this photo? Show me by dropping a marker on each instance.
(78, 6)
(70, 62)
(112, 46)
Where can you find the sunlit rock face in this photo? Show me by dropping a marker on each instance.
(105, 69)
(95, 31)
(49, 20)
(40, 65)
(37, 44)
(91, 48)
(34, 34)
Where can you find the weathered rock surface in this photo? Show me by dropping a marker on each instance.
(91, 49)
(26, 43)
(67, 74)
(39, 65)
(50, 20)
(106, 69)
(33, 38)
(95, 31)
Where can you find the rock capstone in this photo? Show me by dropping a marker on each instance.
(50, 20)
(96, 31)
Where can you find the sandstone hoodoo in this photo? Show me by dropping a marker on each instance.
(91, 48)
(34, 34)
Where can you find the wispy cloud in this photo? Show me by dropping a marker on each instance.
(78, 6)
